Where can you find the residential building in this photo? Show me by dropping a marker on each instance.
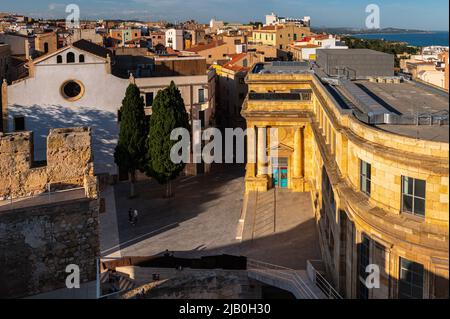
(279, 36)
(306, 48)
(125, 35)
(378, 174)
(214, 51)
(46, 42)
(21, 45)
(273, 19)
(90, 35)
(232, 89)
(175, 39)
(158, 38)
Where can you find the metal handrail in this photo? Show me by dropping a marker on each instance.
(294, 277)
(321, 282)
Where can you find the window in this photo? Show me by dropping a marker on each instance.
(59, 59)
(148, 99)
(365, 177)
(70, 57)
(72, 90)
(363, 262)
(45, 47)
(201, 95)
(19, 123)
(201, 115)
(81, 58)
(413, 196)
(411, 280)
(364, 253)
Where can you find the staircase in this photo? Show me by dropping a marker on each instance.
(113, 283)
(294, 281)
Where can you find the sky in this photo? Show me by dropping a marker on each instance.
(409, 14)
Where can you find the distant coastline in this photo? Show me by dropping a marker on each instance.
(413, 39)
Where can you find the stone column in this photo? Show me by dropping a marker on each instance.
(251, 151)
(302, 152)
(262, 151)
(297, 153)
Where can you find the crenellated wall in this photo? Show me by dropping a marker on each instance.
(69, 162)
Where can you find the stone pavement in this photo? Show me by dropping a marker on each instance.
(203, 217)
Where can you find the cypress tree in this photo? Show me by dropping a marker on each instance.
(168, 113)
(130, 152)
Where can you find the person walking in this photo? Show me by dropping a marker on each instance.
(135, 217)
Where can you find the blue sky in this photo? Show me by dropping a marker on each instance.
(417, 14)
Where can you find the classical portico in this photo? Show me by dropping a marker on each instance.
(276, 157)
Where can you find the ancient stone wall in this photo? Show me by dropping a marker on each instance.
(69, 163)
(37, 243)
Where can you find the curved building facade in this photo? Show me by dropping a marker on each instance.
(374, 155)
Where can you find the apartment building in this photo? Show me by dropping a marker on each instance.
(157, 38)
(378, 175)
(175, 39)
(46, 42)
(123, 36)
(232, 89)
(279, 36)
(215, 51)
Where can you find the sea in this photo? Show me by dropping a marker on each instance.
(413, 39)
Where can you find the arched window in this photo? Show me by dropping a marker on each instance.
(70, 57)
(81, 58)
(45, 47)
(59, 59)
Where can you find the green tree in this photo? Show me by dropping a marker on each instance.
(168, 113)
(130, 151)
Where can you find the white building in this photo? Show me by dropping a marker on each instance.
(308, 46)
(75, 86)
(175, 39)
(273, 19)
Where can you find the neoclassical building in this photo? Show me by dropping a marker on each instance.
(373, 153)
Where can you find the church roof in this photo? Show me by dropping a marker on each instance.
(92, 48)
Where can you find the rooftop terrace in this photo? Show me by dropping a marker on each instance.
(405, 108)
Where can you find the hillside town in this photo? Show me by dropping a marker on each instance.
(355, 175)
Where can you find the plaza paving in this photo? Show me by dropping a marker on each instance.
(203, 218)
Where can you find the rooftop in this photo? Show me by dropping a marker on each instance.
(412, 100)
(352, 52)
(281, 67)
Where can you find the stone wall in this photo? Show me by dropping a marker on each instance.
(69, 162)
(37, 243)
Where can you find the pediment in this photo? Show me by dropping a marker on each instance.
(280, 148)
